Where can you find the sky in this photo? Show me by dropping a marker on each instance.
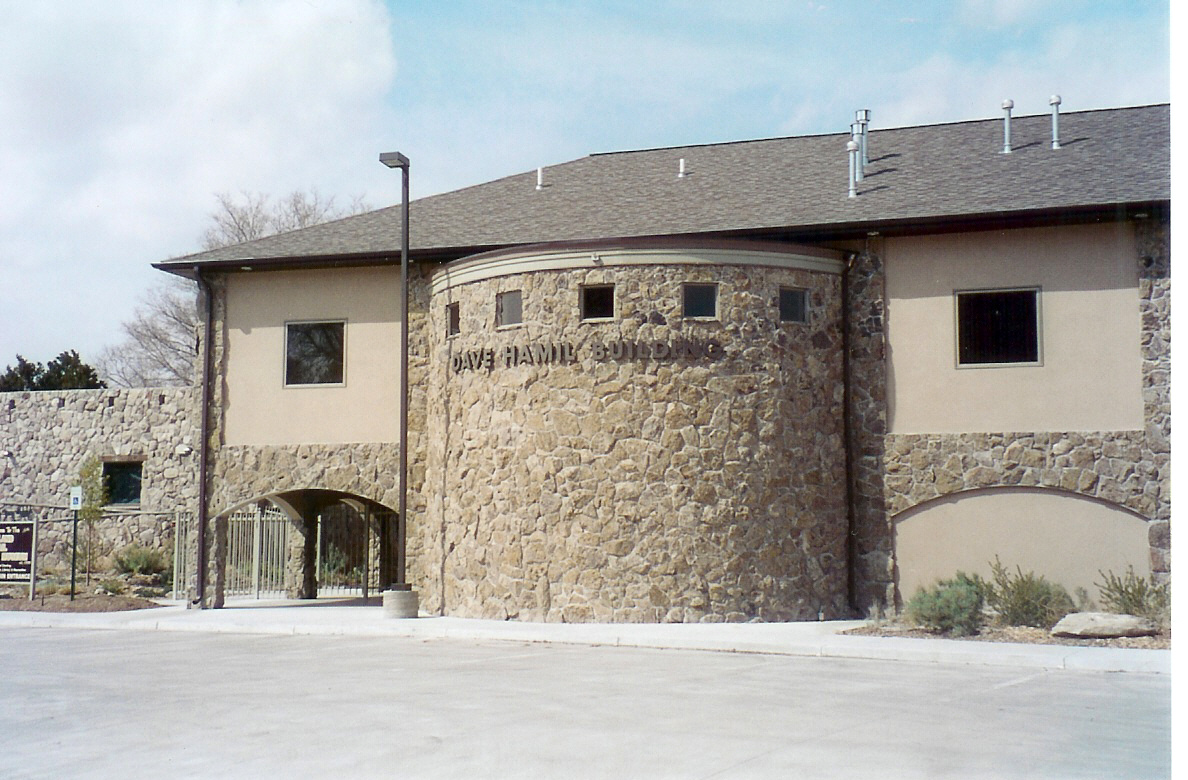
(121, 121)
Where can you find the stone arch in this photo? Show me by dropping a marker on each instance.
(304, 508)
(1064, 535)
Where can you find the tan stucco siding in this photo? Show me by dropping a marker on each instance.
(1090, 374)
(1065, 538)
(365, 408)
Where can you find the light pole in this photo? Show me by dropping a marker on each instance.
(398, 160)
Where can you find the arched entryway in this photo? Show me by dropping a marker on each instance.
(304, 543)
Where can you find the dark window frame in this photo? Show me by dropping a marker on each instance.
(453, 319)
(689, 289)
(124, 481)
(596, 291)
(803, 306)
(501, 313)
(331, 376)
(1000, 327)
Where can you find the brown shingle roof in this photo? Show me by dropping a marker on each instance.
(925, 173)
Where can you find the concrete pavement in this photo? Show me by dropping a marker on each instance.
(349, 617)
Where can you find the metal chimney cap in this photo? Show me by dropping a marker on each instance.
(1008, 104)
(1054, 100)
(851, 146)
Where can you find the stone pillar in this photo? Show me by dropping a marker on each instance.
(1153, 237)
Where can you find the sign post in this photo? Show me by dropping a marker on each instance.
(76, 499)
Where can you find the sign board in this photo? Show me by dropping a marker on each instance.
(76, 497)
(16, 551)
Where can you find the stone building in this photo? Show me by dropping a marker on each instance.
(720, 382)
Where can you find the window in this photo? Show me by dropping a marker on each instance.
(997, 327)
(700, 300)
(793, 305)
(314, 353)
(598, 302)
(453, 319)
(509, 308)
(123, 481)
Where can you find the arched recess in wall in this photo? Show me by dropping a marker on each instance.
(303, 542)
(1067, 537)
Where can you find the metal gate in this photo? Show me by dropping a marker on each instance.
(257, 551)
(348, 551)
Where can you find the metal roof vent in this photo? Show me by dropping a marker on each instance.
(540, 178)
(862, 116)
(1054, 102)
(1007, 105)
(681, 169)
(856, 137)
(852, 147)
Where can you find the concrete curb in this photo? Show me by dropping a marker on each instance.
(821, 640)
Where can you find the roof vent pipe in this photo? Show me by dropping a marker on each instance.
(852, 148)
(1007, 105)
(681, 169)
(540, 178)
(1054, 102)
(862, 115)
(856, 137)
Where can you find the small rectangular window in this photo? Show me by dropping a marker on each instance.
(700, 300)
(453, 319)
(314, 353)
(793, 305)
(598, 302)
(997, 327)
(509, 309)
(122, 480)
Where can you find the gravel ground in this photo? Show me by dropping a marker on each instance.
(1023, 634)
(83, 602)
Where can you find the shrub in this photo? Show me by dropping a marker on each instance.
(111, 587)
(1027, 599)
(951, 606)
(1134, 595)
(135, 559)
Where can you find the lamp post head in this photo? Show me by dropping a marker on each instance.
(394, 160)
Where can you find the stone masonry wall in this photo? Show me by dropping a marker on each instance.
(608, 487)
(46, 436)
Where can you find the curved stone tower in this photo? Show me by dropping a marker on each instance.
(636, 432)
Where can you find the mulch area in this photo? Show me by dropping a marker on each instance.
(83, 602)
(1020, 634)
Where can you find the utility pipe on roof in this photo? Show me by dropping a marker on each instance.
(1007, 105)
(1054, 102)
(862, 116)
(856, 137)
(852, 148)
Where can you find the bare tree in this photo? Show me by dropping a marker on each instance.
(160, 341)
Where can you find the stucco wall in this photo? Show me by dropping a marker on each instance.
(260, 409)
(1090, 373)
(606, 486)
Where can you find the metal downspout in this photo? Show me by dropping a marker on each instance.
(847, 434)
(204, 446)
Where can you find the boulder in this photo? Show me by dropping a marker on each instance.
(1103, 625)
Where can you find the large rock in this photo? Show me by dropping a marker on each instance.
(1103, 625)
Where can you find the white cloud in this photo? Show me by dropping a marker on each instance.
(123, 118)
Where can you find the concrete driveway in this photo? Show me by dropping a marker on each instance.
(101, 703)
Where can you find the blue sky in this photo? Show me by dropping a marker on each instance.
(121, 120)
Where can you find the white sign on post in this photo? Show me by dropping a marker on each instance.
(76, 497)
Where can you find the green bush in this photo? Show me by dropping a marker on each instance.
(135, 559)
(951, 606)
(112, 587)
(1134, 595)
(1027, 599)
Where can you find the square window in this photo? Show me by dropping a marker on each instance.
(793, 305)
(700, 300)
(122, 480)
(509, 308)
(598, 302)
(453, 319)
(997, 327)
(314, 353)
